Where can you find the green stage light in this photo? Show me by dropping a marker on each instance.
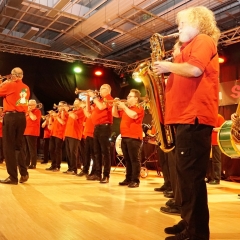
(77, 69)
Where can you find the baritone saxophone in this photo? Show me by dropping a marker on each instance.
(155, 90)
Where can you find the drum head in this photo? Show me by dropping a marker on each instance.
(118, 145)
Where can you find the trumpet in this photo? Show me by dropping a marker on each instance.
(6, 77)
(38, 106)
(77, 91)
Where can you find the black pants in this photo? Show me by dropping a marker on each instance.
(71, 145)
(193, 144)
(30, 149)
(216, 164)
(13, 128)
(46, 150)
(88, 155)
(1, 150)
(101, 145)
(163, 162)
(131, 149)
(55, 147)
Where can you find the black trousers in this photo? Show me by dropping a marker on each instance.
(102, 145)
(131, 149)
(193, 145)
(55, 147)
(216, 164)
(14, 125)
(88, 155)
(71, 145)
(163, 162)
(1, 150)
(46, 149)
(30, 149)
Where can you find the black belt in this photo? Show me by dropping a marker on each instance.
(104, 124)
(13, 112)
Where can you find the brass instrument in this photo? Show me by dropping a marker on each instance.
(155, 90)
(38, 106)
(77, 91)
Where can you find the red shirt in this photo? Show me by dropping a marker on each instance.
(105, 115)
(46, 132)
(220, 121)
(74, 127)
(33, 126)
(129, 127)
(1, 129)
(89, 128)
(188, 98)
(58, 129)
(16, 95)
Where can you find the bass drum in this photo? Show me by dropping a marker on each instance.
(226, 143)
(118, 145)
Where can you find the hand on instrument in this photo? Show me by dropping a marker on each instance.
(160, 67)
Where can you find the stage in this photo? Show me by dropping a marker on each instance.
(57, 206)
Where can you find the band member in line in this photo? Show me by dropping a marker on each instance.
(131, 133)
(73, 134)
(56, 140)
(46, 138)
(15, 104)
(31, 134)
(192, 107)
(1, 141)
(88, 146)
(102, 120)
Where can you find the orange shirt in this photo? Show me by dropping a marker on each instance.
(129, 127)
(188, 98)
(46, 132)
(89, 128)
(33, 126)
(58, 129)
(220, 121)
(103, 116)
(74, 127)
(16, 95)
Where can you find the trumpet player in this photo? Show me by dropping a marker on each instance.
(56, 140)
(102, 120)
(73, 135)
(31, 134)
(15, 104)
(131, 133)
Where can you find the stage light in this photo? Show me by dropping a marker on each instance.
(77, 69)
(98, 72)
(136, 77)
(221, 59)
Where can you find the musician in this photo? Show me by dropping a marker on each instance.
(88, 145)
(102, 120)
(1, 141)
(215, 164)
(46, 138)
(131, 132)
(15, 104)
(31, 134)
(57, 125)
(192, 107)
(73, 134)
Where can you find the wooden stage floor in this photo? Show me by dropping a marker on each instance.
(57, 206)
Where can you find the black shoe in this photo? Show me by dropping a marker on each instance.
(170, 202)
(81, 174)
(44, 162)
(104, 180)
(31, 166)
(133, 185)
(24, 178)
(71, 172)
(169, 194)
(214, 182)
(161, 189)
(50, 168)
(175, 229)
(173, 210)
(93, 178)
(9, 181)
(181, 236)
(67, 171)
(124, 183)
(56, 170)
